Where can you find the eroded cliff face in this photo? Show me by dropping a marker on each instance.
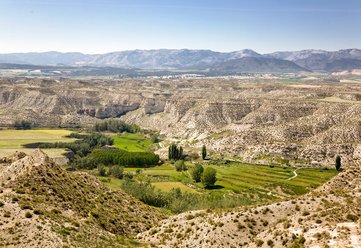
(307, 122)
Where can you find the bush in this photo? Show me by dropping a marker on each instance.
(154, 138)
(28, 215)
(197, 172)
(259, 242)
(101, 171)
(209, 177)
(270, 243)
(180, 165)
(23, 125)
(352, 217)
(85, 163)
(116, 171)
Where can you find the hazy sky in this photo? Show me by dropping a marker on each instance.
(99, 26)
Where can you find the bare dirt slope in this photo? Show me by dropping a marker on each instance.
(326, 217)
(41, 205)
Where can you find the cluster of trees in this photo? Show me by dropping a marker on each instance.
(23, 125)
(176, 200)
(116, 126)
(207, 176)
(84, 146)
(175, 152)
(124, 158)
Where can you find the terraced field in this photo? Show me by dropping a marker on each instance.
(13, 140)
(240, 178)
(250, 180)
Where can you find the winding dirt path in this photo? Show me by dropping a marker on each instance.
(295, 174)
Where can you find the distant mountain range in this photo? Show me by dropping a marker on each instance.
(199, 60)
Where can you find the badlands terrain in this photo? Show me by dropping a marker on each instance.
(287, 120)
(295, 119)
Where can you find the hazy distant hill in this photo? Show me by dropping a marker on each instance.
(259, 64)
(323, 60)
(180, 59)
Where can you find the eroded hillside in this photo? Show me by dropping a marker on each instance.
(305, 122)
(42, 205)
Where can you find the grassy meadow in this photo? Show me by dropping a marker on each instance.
(13, 140)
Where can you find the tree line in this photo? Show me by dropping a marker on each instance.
(116, 126)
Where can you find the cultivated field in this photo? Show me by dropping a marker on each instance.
(255, 183)
(131, 142)
(14, 140)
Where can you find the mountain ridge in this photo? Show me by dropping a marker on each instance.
(200, 59)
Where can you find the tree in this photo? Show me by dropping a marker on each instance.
(204, 152)
(209, 177)
(180, 165)
(197, 173)
(338, 162)
(175, 152)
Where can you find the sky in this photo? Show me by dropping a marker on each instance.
(101, 26)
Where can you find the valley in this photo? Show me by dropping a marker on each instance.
(271, 140)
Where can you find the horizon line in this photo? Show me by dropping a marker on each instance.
(177, 49)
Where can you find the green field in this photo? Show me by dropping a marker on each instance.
(168, 186)
(250, 180)
(13, 140)
(132, 142)
(260, 179)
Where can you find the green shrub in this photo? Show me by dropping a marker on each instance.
(102, 171)
(116, 171)
(197, 173)
(180, 165)
(209, 177)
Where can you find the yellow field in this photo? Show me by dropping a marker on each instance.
(13, 140)
(168, 186)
